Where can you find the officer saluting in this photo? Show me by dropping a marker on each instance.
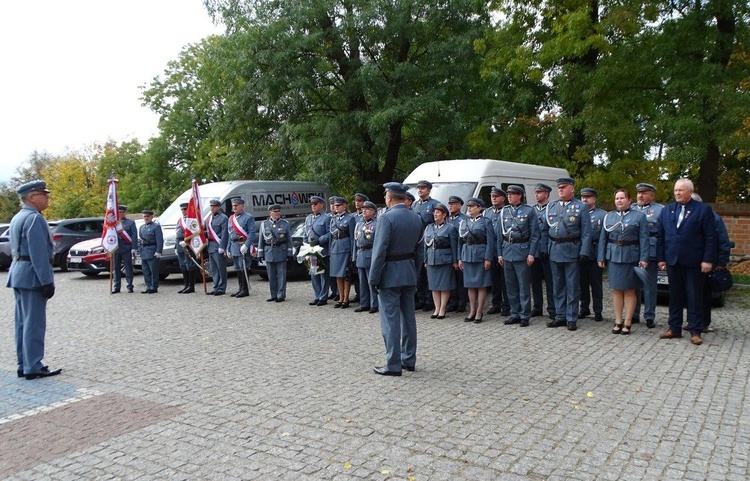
(241, 228)
(275, 247)
(216, 227)
(31, 278)
(152, 243)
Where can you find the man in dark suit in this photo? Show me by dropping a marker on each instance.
(685, 247)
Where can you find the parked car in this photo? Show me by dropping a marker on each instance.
(88, 257)
(68, 232)
(5, 253)
(293, 268)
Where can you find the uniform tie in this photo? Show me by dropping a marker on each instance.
(681, 217)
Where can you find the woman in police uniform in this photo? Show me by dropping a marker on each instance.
(477, 238)
(623, 245)
(342, 246)
(441, 258)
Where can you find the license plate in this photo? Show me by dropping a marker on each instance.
(136, 262)
(664, 280)
(75, 260)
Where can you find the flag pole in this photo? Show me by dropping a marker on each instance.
(203, 272)
(111, 270)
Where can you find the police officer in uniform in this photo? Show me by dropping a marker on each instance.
(359, 202)
(459, 295)
(342, 246)
(152, 243)
(424, 206)
(31, 278)
(475, 259)
(318, 233)
(569, 230)
(333, 285)
(645, 203)
(241, 229)
(275, 247)
(216, 229)
(441, 259)
(540, 269)
(127, 237)
(393, 272)
(500, 302)
(517, 246)
(364, 236)
(184, 255)
(591, 273)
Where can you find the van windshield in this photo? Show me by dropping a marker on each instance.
(441, 191)
(172, 213)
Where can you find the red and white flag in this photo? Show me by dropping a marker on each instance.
(111, 219)
(194, 222)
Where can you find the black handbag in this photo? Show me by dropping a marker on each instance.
(720, 280)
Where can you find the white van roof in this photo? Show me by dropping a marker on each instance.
(471, 170)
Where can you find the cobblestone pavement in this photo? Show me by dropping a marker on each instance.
(174, 386)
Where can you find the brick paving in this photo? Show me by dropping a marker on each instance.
(197, 387)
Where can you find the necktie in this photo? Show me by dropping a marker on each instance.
(681, 216)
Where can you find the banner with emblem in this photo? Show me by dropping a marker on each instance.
(111, 219)
(194, 222)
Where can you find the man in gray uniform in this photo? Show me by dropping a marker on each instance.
(275, 247)
(127, 237)
(318, 233)
(517, 234)
(459, 296)
(218, 238)
(540, 269)
(591, 273)
(424, 206)
(152, 243)
(646, 204)
(396, 253)
(184, 254)
(241, 228)
(569, 230)
(364, 236)
(31, 278)
(500, 303)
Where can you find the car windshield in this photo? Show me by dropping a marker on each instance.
(441, 191)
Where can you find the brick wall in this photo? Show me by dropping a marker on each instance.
(737, 219)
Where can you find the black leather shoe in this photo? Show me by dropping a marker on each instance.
(409, 368)
(536, 313)
(344, 305)
(314, 302)
(373, 310)
(322, 303)
(362, 309)
(242, 294)
(440, 317)
(584, 314)
(598, 317)
(130, 290)
(512, 320)
(383, 371)
(19, 372)
(280, 299)
(212, 293)
(115, 291)
(524, 323)
(146, 292)
(572, 326)
(478, 320)
(650, 323)
(218, 293)
(636, 320)
(333, 296)
(554, 323)
(494, 310)
(469, 319)
(45, 372)
(273, 299)
(338, 305)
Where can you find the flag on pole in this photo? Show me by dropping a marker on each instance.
(111, 219)
(194, 222)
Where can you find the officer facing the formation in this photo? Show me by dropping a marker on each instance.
(241, 229)
(459, 295)
(424, 206)
(217, 232)
(569, 230)
(184, 255)
(540, 269)
(500, 302)
(318, 233)
(31, 278)
(364, 236)
(645, 203)
(517, 246)
(275, 247)
(591, 273)
(396, 253)
(152, 243)
(127, 236)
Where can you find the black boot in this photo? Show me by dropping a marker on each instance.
(244, 291)
(184, 282)
(191, 282)
(240, 281)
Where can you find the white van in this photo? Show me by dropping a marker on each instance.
(475, 178)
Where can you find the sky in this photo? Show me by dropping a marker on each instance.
(71, 70)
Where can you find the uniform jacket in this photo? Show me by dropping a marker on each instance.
(517, 233)
(541, 214)
(30, 238)
(425, 209)
(152, 240)
(218, 224)
(399, 232)
(653, 215)
(179, 236)
(494, 215)
(364, 238)
(236, 240)
(477, 239)
(342, 233)
(318, 231)
(124, 246)
(440, 244)
(569, 230)
(275, 241)
(596, 216)
(693, 242)
(629, 227)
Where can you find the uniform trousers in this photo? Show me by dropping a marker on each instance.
(499, 290)
(123, 259)
(649, 293)
(151, 273)
(518, 279)
(367, 296)
(218, 271)
(321, 284)
(566, 285)
(541, 271)
(591, 286)
(686, 291)
(277, 279)
(31, 325)
(398, 324)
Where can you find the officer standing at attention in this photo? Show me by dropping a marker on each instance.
(187, 267)
(569, 230)
(500, 302)
(517, 246)
(216, 227)
(241, 228)
(364, 236)
(459, 295)
(342, 246)
(31, 278)
(396, 253)
(334, 285)
(424, 206)
(540, 269)
(591, 273)
(127, 236)
(359, 202)
(152, 243)
(645, 203)
(318, 233)
(275, 247)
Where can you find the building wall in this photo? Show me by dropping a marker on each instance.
(737, 219)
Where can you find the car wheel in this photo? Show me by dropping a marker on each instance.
(91, 274)
(63, 262)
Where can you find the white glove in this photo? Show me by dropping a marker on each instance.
(183, 244)
(221, 251)
(243, 249)
(157, 255)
